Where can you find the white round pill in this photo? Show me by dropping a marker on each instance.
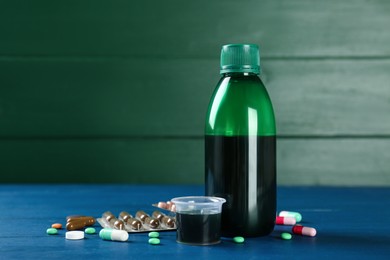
(74, 235)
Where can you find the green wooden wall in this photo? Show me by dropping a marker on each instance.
(117, 91)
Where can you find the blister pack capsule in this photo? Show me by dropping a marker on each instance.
(140, 222)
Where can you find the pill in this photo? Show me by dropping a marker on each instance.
(162, 205)
(296, 215)
(238, 240)
(75, 224)
(73, 216)
(154, 234)
(125, 216)
(89, 221)
(154, 241)
(285, 221)
(304, 231)
(152, 222)
(113, 234)
(56, 225)
(169, 222)
(146, 219)
(141, 215)
(286, 236)
(135, 224)
(171, 206)
(90, 230)
(158, 215)
(52, 231)
(74, 235)
(108, 216)
(117, 224)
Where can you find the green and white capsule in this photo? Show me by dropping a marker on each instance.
(113, 234)
(296, 215)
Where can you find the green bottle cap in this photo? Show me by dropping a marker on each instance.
(240, 58)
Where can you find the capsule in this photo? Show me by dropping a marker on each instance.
(289, 221)
(171, 206)
(293, 214)
(141, 215)
(152, 222)
(169, 222)
(117, 224)
(73, 217)
(134, 224)
(89, 221)
(158, 215)
(162, 205)
(113, 234)
(125, 216)
(75, 224)
(304, 231)
(108, 216)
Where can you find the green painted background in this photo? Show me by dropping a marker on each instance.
(117, 91)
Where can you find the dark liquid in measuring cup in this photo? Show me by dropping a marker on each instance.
(242, 169)
(198, 229)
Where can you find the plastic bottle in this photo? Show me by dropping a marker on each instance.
(240, 145)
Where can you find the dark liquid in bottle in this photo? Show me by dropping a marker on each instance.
(198, 229)
(242, 169)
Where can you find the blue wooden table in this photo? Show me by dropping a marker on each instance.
(351, 223)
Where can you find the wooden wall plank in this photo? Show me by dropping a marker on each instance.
(343, 97)
(101, 161)
(194, 29)
(344, 162)
(335, 162)
(98, 89)
(169, 98)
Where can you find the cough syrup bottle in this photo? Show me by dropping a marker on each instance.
(240, 145)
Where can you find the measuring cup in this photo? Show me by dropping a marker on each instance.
(198, 219)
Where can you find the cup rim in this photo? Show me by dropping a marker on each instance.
(213, 200)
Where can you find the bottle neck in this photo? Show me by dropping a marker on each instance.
(239, 74)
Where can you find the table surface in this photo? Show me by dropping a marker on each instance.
(350, 222)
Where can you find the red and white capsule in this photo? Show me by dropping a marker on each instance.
(288, 221)
(304, 231)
